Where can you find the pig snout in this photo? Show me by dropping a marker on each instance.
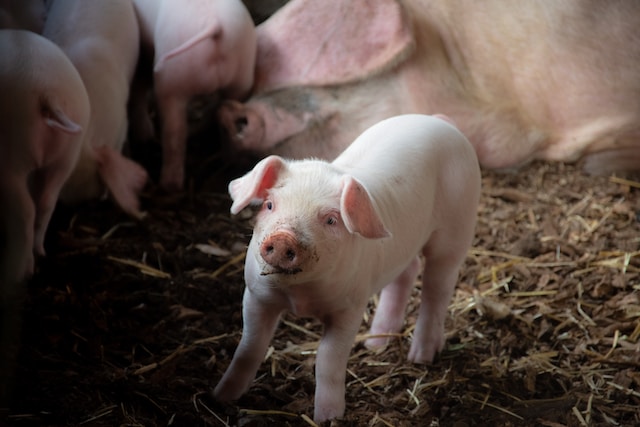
(244, 126)
(282, 251)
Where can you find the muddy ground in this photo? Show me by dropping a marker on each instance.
(132, 323)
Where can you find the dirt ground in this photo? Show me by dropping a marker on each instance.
(132, 323)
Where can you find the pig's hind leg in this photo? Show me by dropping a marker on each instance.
(390, 313)
(444, 255)
(625, 157)
(45, 187)
(124, 178)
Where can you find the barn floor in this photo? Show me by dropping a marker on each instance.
(132, 323)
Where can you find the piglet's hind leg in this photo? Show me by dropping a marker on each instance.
(46, 187)
(124, 178)
(442, 262)
(390, 313)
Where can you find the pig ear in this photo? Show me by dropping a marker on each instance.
(213, 30)
(56, 118)
(254, 184)
(310, 42)
(358, 213)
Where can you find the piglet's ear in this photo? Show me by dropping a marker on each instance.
(358, 213)
(254, 184)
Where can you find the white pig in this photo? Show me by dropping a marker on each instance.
(330, 235)
(552, 80)
(23, 14)
(200, 47)
(102, 40)
(44, 109)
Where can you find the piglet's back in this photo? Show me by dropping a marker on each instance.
(416, 168)
(401, 142)
(408, 149)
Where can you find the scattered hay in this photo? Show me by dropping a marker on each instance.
(133, 324)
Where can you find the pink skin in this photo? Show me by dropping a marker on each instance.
(282, 251)
(103, 46)
(330, 235)
(45, 112)
(509, 92)
(23, 14)
(201, 47)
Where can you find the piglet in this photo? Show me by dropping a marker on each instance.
(102, 40)
(44, 109)
(200, 47)
(330, 235)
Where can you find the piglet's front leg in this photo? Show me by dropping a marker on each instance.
(331, 362)
(260, 322)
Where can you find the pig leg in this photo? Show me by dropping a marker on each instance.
(390, 313)
(174, 140)
(621, 158)
(260, 322)
(331, 362)
(45, 191)
(443, 254)
(124, 178)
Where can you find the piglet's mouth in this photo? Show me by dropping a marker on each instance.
(279, 270)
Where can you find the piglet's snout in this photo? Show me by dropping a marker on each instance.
(283, 251)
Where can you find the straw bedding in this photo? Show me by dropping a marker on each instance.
(132, 323)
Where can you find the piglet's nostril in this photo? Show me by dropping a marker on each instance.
(291, 255)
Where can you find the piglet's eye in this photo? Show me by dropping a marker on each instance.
(268, 204)
(332, 220)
